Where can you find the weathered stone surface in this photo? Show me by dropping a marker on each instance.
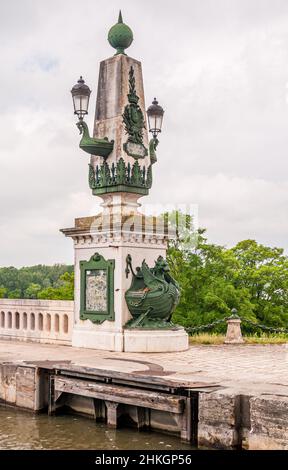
(219, 417)
(219, 407)
(8, 383)
(245, 411)
(217, 435)
(26, 387)
(269, 423)
(245, 423)
(113, 87)
(23, 386)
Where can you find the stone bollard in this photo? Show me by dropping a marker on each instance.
(233, 333)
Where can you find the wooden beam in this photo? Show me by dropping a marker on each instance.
(51, 397)
(165, 382)
(118, 394)
(99, 410)
(111, 414)
(143, 418)
(186, 421)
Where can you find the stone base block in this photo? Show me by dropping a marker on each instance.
(155, 340)
(219, 416)
(269, 423)
(218, 436)
(105, 340)
(132, 340)
(262, 442)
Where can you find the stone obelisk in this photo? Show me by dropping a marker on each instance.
(104, 242)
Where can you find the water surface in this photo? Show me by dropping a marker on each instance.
(24, 430)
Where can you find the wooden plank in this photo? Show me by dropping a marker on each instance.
(51, 397)
(126, 379)
(142, 418)
(145, 379)
(112, 414)
(118, 394)
(97, 409)
(186, 421)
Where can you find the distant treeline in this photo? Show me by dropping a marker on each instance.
(37, 282)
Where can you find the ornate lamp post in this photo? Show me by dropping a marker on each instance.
(80, 95)
(155, 114)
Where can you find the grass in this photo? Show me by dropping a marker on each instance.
(214, 338)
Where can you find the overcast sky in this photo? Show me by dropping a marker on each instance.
(218, 67)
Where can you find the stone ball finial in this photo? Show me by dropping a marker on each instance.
(120, 36)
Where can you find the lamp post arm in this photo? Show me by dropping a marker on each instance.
(100, 147)
(152, 149)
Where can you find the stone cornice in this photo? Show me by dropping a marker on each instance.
(115, 238)
(130, 223)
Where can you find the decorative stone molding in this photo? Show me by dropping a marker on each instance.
(104, 239)
(119, 228)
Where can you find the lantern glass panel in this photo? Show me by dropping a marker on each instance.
(81, 104)
(158, 122)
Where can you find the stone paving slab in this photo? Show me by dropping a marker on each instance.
(250, 369)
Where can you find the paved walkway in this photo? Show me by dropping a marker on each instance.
(255, 369)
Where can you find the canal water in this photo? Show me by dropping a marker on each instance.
(24, 430)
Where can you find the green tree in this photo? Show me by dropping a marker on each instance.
(64, 291)
(3, 292)
(213, 279)
(32, 291)
(205, 274)
(263, 271)
(14, 294)
(20, 280)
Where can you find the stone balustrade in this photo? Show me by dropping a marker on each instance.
(42, 321)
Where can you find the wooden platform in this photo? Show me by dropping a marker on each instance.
(128, 394)
(110, 396)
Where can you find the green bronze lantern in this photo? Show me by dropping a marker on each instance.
(155, 114)
(80, 95)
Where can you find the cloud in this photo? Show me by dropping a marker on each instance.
(231, 207)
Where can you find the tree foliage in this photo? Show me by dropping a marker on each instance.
(64, 290)
(37, 282)
(249, 277)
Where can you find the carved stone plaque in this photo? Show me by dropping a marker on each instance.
(135, 150)
(96, 290)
